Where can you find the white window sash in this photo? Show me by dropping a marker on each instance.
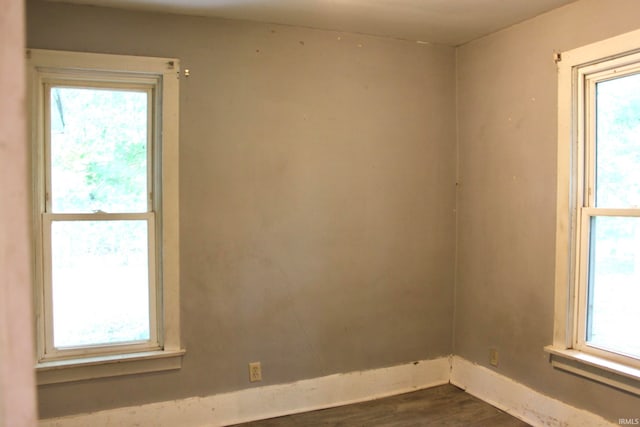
(50, 79)
(50, 351)
(582, 285)
(89, 80)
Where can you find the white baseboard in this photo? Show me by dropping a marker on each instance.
(341, 389)
(517, 399)
(270, 401)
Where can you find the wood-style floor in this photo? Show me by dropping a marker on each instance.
(438, 406)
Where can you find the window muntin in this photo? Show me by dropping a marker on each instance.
(608, 237)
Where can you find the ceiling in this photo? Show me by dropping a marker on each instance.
(451, 22)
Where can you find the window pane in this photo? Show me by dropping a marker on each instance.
(613, 314)
(98, 150)
(618, 142)
(100, 282)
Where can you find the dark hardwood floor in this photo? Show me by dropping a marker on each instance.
(438, 406)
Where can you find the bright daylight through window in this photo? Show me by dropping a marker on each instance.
(104, 132)
(612, 261)
(101, 288)
(597, 310)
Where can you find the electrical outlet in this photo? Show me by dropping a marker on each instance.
(493, 356)
(255, 372)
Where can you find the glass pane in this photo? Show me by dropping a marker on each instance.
(98, 150)
(613, 314)
(618, 142)
(100, 282)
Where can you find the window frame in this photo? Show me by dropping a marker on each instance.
(46, 349)
(577, 69)
(161, 76)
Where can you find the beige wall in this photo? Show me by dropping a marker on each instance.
(317, 199)
(318, 193)
(17, 396)
(506, 203)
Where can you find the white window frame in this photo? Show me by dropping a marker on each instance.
(159, 77)
(578, 72)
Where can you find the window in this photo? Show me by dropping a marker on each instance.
(104, 131)
(598, 232)
(609, 215)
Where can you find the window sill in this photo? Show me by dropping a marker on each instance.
(604, 371)
(87, 368)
